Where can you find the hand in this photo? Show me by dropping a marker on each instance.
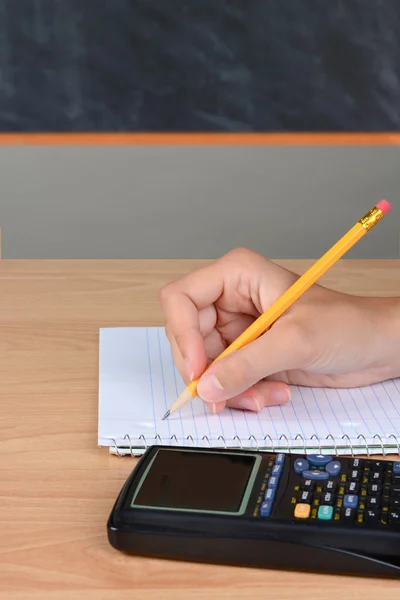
(326, 339)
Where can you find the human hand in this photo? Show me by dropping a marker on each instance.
(326, 338)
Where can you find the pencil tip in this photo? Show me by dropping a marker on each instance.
(166, 415)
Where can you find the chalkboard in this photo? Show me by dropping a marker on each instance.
(199, 65)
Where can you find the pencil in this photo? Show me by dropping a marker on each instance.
(264, 321)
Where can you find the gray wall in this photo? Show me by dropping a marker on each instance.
(183, 202)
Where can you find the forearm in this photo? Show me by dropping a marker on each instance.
(387, 318)
(394, 307)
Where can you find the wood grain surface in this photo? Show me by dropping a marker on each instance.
(57, 487)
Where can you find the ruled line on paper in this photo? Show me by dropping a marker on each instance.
(138, 381)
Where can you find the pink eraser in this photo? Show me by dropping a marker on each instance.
(384, 206)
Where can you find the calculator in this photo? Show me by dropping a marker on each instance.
(245, 507)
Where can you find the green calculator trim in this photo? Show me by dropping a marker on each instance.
(245, 499)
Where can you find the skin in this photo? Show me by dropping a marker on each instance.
(326, 339)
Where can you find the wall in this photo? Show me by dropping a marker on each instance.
(149, 201)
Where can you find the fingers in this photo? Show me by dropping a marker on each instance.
(262, 394)
(281, 348)
(256, 398)
(188, 309)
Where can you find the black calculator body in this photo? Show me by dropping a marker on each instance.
(251, 508)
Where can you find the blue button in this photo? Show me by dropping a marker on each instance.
(315, 475)
(277, 470)
(396, 468)
(266, 508)
(300, 465)
(333, 468)
(350, 501)
(319, 460)
(269, 494)
(280, 459)
(273, 482)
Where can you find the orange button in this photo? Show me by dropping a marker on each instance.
(302, 511)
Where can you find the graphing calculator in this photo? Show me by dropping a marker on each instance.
(262, 509)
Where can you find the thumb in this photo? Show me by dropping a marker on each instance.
(279, 349)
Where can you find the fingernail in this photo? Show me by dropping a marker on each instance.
(213, 407)
(188, 369)
(249, 404)
(208, 386)
(280, 396)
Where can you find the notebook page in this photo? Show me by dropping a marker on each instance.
(138, 382)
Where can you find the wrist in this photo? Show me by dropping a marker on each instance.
(384, 317)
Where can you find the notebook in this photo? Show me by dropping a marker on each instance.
(138, 382)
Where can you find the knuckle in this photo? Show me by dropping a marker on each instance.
(241, 254)
(165, 292)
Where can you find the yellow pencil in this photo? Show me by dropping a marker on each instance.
(302, 284)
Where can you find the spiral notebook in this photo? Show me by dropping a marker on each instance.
(138, 382)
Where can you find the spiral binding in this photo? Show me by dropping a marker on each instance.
(268, 444)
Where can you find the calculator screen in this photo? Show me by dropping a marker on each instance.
(197, 481)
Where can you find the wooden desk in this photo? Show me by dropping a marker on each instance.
(57, 487)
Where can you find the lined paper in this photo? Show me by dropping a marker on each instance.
(138, 382)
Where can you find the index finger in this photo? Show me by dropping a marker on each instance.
(182, 300)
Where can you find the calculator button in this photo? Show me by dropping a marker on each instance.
(395, 490)
(327, 499)
(280, 459)
(316, 475)
(396, 468)
(308, 484)
(354, 475)
(374, 489)
(319, 460)
(375, 477)
(372, 515)
(394, 517)
(330, 486)
(395, 480)
(269, 494)
(300, 465)
(305, 497)
(349, 514)
(355, 463)
(302, 511)
(352, 487)
(333, 468)
(374, 502)
(350, 501)
(325, 513)
(266, 508)
(395, 503)
(378, 465)
(273, 482)
(277, 470)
